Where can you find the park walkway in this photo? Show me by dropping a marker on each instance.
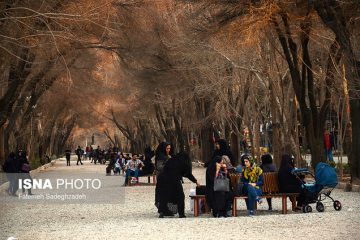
(133, 216)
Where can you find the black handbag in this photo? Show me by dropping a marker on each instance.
(221, 184)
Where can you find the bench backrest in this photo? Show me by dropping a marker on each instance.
(271, 184)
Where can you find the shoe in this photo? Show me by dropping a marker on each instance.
(161, 215)
(270, 209)
(259, 200)
(229, 213)
(298, 209)
(251, 213)
(182, 216)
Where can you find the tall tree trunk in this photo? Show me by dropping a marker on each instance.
(207, 144)
(355, 149)
(334, 18)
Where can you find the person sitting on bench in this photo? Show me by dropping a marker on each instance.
(253, 180)
(148, 165)
(132, 168)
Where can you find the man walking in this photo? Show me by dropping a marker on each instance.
(79, 153)
(67, 155)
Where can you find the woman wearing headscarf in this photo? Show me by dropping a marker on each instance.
(169, 185)
(221, 149)
(253, 179)
(218, 201)
(162, 155)
(267, 166)
(148, 167)
(25, 169)
(288, 182)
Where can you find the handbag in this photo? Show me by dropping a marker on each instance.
(221, 184)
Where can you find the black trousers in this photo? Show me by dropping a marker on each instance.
(67, 161)
(79, 160)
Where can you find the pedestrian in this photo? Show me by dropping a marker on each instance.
(79, 153)
(11, 167)
(169, 185)
(25, 171)
(67, 156)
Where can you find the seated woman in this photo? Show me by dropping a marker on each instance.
(169, 185)
(253, 180)
(288, 182)
(267, 166)
(148, 167)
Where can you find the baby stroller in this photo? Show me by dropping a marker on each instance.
(316, 192)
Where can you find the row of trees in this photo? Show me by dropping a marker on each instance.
(182, 71)
(46, 72)
(204, 67)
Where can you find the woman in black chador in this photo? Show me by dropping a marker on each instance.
(218, 202)
(169, 188)
(162, 155)
(221, 149)
(148, 167)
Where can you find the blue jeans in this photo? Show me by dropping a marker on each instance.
(252, 193)
(132, 173)
(328, 155)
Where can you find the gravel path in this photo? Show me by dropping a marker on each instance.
(135, 217)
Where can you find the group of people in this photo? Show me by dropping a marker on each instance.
(171, 168)
(17, 167)
(96, 155)
(223, 164)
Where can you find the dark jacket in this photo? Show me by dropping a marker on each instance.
(288, 182)
(148, 167)
(24, 160)
(268, 167)
(67, 154)
(12, 164)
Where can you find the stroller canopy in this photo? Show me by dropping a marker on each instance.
(325, 175)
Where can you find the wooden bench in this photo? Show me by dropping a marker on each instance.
(197, 199)
(270, 189)
(153, 176)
